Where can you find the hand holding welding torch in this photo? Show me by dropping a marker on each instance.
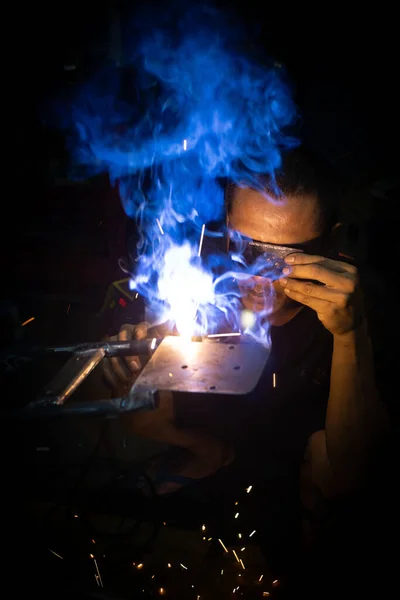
(123, 370)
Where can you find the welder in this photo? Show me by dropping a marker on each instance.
(320, 408)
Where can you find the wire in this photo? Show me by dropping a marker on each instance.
(73, 501)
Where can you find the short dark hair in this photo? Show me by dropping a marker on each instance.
(302, 171)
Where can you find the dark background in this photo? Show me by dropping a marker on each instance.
(61, 241)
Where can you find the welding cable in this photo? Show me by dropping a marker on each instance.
(72, 502)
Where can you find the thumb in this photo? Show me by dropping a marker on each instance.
(140, 331)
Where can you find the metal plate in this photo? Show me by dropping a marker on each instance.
(204, 367)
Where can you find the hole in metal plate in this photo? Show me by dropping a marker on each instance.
(201, 367)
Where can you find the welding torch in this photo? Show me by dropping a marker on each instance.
(108, 348)
(84, 359)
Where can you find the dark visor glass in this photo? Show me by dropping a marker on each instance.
(265, 257)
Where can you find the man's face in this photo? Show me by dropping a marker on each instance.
(289, 221)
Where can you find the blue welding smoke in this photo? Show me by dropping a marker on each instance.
(187, 112)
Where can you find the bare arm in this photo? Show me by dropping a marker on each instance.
(356, 420)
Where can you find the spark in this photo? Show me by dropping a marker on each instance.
(273, 379)
(69, 306)
(183, 566)
(248, 319)
(98, 572)
(252, 533)
(152, 576)
(248, 490)
(236, 503)
(275, 582)
(239, 536)
(137, 294)
(203, 527)
(222, 571)
(242, 563)
(169, 565)
(140, 566)
(170, 375)
(218, 335)
(236, 516)
(201, 239)
(209, 539)
(93, 541)
(223, 545)
(161, 591)
(243, 549)
(160, 227)
(55, 554)
(27, 321)
(260, 578)
(76, 516)
(153, 343)
(266, 594)
(185, 144)
(204, 538)
(236, 556)
(97, 579)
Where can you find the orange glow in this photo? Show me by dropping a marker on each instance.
(27, 321)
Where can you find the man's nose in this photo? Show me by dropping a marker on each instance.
(260, 283)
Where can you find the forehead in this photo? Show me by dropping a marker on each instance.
(289, 220)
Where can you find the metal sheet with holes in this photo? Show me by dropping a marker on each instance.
(204, 367)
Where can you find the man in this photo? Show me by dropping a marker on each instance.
(317, 404)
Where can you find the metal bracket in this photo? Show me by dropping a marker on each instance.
(226, 365)
(209, 366)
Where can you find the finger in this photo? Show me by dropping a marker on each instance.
(320, 272)
(313, 290)
(126, 333)
(320, 306)
(140, 332)
(109, 375)
(130, 332)
(121, 369)
(301, 258)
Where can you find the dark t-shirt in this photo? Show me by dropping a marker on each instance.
(287, 405)
(275, 421)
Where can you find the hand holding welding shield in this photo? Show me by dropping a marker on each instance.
(330, 287)
(123, 370)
